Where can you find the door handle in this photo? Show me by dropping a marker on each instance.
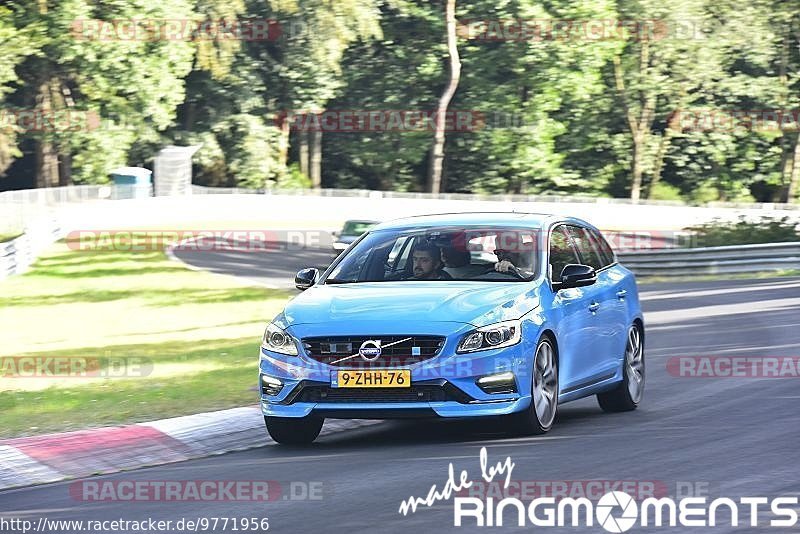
(621, 293)
(594, 306)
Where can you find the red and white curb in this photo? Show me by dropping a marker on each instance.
(52, 457)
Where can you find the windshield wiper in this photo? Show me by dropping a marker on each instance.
(338, 281)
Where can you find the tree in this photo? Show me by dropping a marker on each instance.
(437, 152)
(15, 43)
(85, 67)
(302, 69)
(397, 71)
(535, 92)
(660, 72)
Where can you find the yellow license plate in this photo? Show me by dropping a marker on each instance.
(390, 378)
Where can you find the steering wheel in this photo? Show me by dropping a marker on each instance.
(512, 271)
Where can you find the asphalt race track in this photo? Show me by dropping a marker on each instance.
(274, 268)
(729, 437)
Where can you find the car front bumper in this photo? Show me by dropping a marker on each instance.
(450, 380)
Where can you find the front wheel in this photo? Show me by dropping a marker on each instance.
(628, 394)
(294, 430)
(539, 416)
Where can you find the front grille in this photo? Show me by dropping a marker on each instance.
(322, 394)
(434, 391)
(427, 391)
(402, 350)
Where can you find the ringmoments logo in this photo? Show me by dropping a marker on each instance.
(615, 511)
(618, 511)
(605, 511)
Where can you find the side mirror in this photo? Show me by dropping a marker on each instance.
(305, 278)
(576, 275)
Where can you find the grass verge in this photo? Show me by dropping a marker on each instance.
(9, 236)
(161, 339)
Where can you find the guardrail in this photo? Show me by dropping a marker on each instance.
(496, 197)
(37, 214)
(714, 260)
(17, 255)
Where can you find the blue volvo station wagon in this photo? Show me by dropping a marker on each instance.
(460, 315)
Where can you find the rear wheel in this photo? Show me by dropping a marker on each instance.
(541, 413)
(294, 430)
(628, 394)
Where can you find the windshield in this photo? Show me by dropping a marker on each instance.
(356, 227)
(443, 254)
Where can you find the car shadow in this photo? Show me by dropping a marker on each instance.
(409, 432)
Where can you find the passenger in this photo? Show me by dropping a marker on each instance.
(510, 256)
(427, 263)
(457, 263)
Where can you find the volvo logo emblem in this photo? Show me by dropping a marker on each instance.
(370, 350)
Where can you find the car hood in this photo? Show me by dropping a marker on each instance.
(475, 303)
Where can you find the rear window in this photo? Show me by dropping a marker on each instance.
(587, 247)
(562, 252)
(605, 249)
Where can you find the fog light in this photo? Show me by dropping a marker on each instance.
(499, 383)
(270, 385)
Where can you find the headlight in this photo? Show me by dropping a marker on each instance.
(494, 336)
(277, 340)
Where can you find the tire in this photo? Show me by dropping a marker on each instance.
(627, 396)
(539, 416)
(294, 430)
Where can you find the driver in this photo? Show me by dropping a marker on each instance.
(427, 263)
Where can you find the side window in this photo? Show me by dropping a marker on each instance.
(589, 253)
(398, 257)
(562, 252)
(605, 249)
(395, 255)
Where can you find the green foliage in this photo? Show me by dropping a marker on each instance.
(131, 86)
(294, 179)
(745, 232)
(14, 43)
(550, 115)
(664, 191)
(704, 193)
(254, 161)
